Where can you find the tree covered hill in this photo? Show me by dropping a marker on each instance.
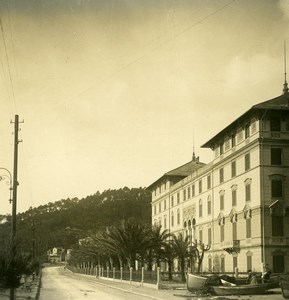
(63, 222)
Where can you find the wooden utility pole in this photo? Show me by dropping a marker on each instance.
(15, 180)
(14, 199)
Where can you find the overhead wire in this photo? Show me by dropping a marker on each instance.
(136, 60)
(8, 64)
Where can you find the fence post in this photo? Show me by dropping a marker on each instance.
(107, 271)
(121, 269)
(102, 271)
(142, 275)
(130, 275)
(113, 273)
(158, 277)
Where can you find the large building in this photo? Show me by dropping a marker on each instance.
(238, 203)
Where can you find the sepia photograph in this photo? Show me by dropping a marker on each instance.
(144, 149)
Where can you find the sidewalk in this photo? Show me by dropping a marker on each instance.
(28, 291)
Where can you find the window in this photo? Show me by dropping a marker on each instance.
(234, 197)
(200, 208)
(248, 228)
(221, 171)
(208, 182)
(247, 131)
(172, 219)
(201, 235)
(247, 161)
(160, 206)
(275, 124)
(172, 201)
(210, 264)
(193, 190)
(185, 194)
(189, 192)
(222, 264)
(200, 186)
(277, 188)
(221, 202)
(178, 198)
(209, 236)
(178, 217)
(221, 148)
(249, 262)
(233, 140)
(165, 222)
(155, 209)
(277, 226)
(222, 233)
(276, 156)
(160, 222)
(165, 204)
(234, 230)
(235, 262)
(233, 169)
(209, 205)
(248, 192)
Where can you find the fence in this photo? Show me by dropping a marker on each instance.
(130, 275)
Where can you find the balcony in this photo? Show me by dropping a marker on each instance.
(277, 241)
(231, 246)
(275, 134)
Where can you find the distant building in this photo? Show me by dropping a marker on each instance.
(57, 254)
(239, 202)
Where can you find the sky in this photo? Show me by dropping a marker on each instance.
(115, 93)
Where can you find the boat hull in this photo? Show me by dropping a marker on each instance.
(195, 282)
(256, 289)
(285, 288)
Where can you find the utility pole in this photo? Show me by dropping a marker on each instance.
(14, 198)
(15, 180)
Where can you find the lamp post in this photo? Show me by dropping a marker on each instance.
(8, 179)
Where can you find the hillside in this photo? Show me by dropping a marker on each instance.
(63, 222)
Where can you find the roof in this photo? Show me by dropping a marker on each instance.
(278, 103)
(179, 173)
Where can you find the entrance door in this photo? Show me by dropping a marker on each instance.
(278, 264)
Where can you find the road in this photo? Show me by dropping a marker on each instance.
(58, 283)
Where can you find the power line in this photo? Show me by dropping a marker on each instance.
(8, 64)
(148, 52)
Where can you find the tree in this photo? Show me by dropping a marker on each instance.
(159, 239)
(131, 240)
(180, 246)
(200, 249)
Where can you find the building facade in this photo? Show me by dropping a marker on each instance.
(238, 203)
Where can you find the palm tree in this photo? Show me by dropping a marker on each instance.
(131, 240)
(159, 239)
(168, 254)
(180, 246)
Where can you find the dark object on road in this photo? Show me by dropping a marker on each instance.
(232, 289)
(285, 287)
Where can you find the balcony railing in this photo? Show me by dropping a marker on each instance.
(277, 241)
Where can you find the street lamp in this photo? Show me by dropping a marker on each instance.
(8, 179)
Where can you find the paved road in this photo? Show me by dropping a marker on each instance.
(58, 283)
